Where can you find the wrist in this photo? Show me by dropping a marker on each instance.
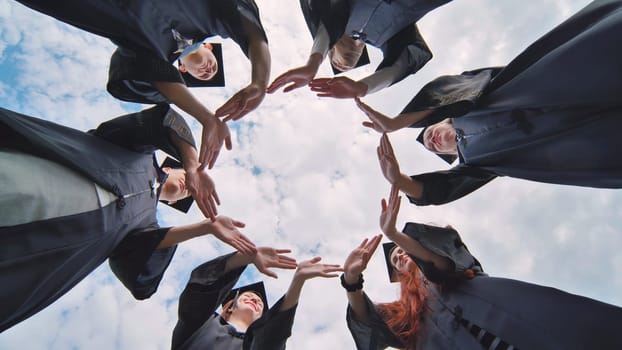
(361, 89)
(352, 286)
(314, 61)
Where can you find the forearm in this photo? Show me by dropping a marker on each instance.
(409, 186)
(356, 300)
(179, 234)
(238, 260)
(414, 248)
(407, 119)
(293, 294)
(180, 95)
(314, 62)
(187, 152)
(259, 56)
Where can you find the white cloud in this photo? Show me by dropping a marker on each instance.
(319, 186)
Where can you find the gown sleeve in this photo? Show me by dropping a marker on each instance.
(204, 292)
(147, 130)
(372, 334)
(137, 262)
(446, 186)
(271, 331)
(132, 71)
(444, 242)
(407, 50)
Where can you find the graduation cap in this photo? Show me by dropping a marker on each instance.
(182, 205)
(363, 60)
(217, 80)
(257, 288)
(388, 248)
(449, 158)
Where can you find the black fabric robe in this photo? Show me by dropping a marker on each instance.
(552, 115)
(142, 31)
(525, 315)
(42, 260)
(389, 26)
(201, 327)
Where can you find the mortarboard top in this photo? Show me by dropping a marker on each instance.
(363, 60)
(449, 158)
(388, 248)
(258, 288)
(182, 205)
(217, 80)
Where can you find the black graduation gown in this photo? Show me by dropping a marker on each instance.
(389, 26)
(201, 327)
(552, 115)
(142, 32)
(524, 315)
(42, 260)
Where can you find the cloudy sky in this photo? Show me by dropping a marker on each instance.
(303, 175)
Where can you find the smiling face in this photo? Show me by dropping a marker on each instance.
(201, 64)
(399, 259)
(250, 302)
(441, 138)
(174, 188)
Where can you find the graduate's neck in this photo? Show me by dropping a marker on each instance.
(241, 320)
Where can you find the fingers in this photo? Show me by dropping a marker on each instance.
(238, 223)
(213, 157)
(229, 107)
(315, 260)
(319, 81)
(383, 205)
(269, 273)
(228, 143)
(245, 245)
(279, 82)
(362, 245)
(373, 244)
(294, 86)
(283, 251)
(216, 198)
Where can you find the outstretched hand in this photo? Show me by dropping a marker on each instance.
(357, 261)
(378, 121)
(338, 87)
(296, 78)
(226, 230)
(242, 102)
(388, 163)
(214, 134)
(267, 257)
(310, 269)
(203, 190)
(388, 216)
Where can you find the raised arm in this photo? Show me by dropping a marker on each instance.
(391, 170)
(224, 228)
(383, 124)
(250, 97)
(352, 278)
(214, 132)
(272, 330)
(388, 217)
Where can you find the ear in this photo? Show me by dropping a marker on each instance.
(167, 169)
(182, 68)
(208, 46)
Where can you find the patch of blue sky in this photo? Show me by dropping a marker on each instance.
(9, 76)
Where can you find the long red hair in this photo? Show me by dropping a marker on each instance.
(404, 316)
